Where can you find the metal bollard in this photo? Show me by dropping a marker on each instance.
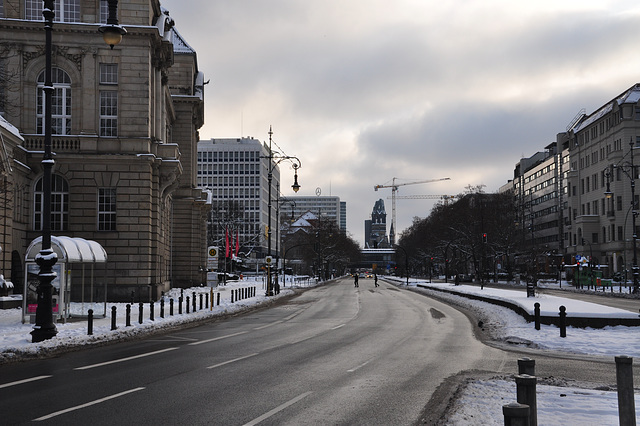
(180, 305)
(206, 300)
(211, 297)
(536, 314)
(526, 394)
(140, 308)
(90, 322)
(231, 296)
(218, 296)
(151, 314)
(194, 301)
(161, 308)
(626, 401)
(113, 318)
(128, 320)
(527, 366)
(515, 414)
(200, 297)
(187, 305)
(171, 307)
(563, 321)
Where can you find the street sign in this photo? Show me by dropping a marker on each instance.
(268, 260)
(212, 258)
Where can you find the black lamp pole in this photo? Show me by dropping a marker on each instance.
(271, 166)
(44, 327)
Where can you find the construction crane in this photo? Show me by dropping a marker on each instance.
(446, 198)
(394, 188)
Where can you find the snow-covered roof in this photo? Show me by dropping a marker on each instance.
(9, 127)
(70, 250)
(180, 45)
(631, 96)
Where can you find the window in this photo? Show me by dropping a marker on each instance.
(619, 203)
(59, 204)
(106, 209)
(60, 103)
(104, 11)
(108, 113)
(1, 8)
(108, 73)
(65, 10)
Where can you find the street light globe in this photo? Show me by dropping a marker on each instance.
(112, 34)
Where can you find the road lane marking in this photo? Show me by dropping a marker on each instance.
(233, 360)
(217, 338)
(115, 361)
(19, 382)
(293, 315)
(88, 404)
(338, 326)
(360, 366)
(268, 325)
(278, 409)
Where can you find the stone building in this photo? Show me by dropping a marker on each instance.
(125, 129)
(602, 146)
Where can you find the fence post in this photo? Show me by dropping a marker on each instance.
(113, 318)
(151, 313)
(128, 320)
(90, 322)
(626, 402)
(526, 394)
(536, 314)
(527, 366)
(515, 414)
(140, 308)
(563, 321)
(171, 307)
(162, 308)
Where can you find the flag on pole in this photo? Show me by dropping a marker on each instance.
(237, 242)
(227, 244)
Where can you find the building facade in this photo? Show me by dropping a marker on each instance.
(125, 128)
(236, 173)
(322, 206)
(603, 145)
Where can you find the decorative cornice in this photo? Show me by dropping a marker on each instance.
(63, 51)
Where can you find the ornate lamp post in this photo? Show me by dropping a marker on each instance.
(274, 160)
(44, 327)
(629, 169)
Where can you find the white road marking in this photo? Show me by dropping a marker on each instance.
(115, 361)
(19, 382)
(217, 338)
(233, 360)
(338, 326)
(268, 325)
(88, 404)
(360, 366)
(278, 409)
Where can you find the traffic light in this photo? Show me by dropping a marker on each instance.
(484, 237)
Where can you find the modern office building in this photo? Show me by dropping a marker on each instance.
(125, 124)
(323, 206)
(235, 172)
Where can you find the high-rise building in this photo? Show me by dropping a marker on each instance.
(235, 173)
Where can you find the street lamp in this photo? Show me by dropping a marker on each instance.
(274, 160)
(44, 327)
(628, 169)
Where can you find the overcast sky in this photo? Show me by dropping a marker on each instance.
(363, 91)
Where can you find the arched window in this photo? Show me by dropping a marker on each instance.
(60, 103)
(59, 204)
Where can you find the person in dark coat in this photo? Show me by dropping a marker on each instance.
(355, 279)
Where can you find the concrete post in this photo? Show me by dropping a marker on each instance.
(515, 414)
(626, 401)
(526, 394)
(527, 366)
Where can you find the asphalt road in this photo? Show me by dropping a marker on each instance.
(332, 355)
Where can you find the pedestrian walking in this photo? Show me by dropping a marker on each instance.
(355, 279)
(375, 279)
